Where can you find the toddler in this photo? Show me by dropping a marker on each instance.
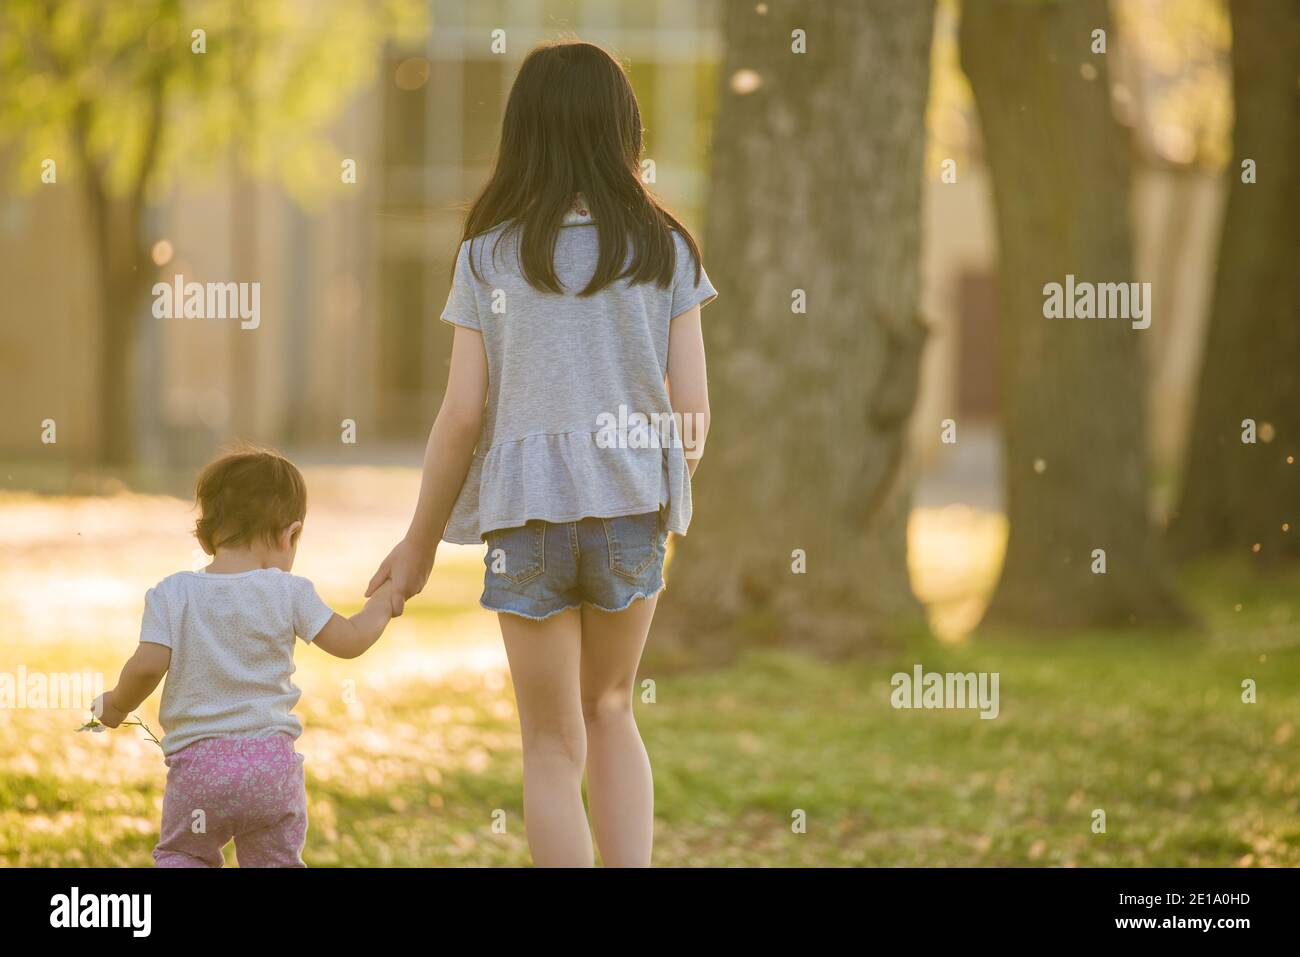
(224, 639)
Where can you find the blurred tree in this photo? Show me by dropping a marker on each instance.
(816, 177)
(126, 96)
(1238, 495)
(1076, 472)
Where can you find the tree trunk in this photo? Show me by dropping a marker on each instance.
(1237, 495)
(1076, 471)
(815, 187)
(124, 272)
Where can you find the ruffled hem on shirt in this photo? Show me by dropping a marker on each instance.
(544, 476)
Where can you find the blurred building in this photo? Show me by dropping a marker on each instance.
(351, 287)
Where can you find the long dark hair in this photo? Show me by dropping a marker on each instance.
(572, 125)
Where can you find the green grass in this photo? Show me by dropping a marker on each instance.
(412, 751)
(1151, 730)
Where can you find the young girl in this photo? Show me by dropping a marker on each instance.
(577, 354)
(224, 637)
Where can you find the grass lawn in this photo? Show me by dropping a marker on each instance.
(412, 751)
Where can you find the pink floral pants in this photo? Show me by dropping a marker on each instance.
(251, 789)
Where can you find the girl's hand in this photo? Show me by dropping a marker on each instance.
(407, 566)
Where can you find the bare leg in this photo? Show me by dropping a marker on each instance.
(544, 662)
(620, 789)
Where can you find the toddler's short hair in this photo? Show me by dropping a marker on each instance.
(245, 495)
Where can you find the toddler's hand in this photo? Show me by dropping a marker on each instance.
(407, 568)
(108, 716)
(383, 597)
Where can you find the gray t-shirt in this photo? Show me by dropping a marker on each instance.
(578, 422)
(232, 641)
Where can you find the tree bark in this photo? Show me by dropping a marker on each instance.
(124, 271)
(1237, 495)
(815, 186)
(1075, 461)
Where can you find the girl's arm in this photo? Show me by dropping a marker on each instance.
(688, 381)
(446, 461)
(140, 676)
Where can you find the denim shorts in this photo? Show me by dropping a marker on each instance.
(541, 569)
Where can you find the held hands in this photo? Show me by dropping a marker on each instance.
(407, 566)
(380, 603)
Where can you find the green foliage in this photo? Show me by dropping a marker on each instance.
(80, 81)
(1182, 98)
(1170, 79)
